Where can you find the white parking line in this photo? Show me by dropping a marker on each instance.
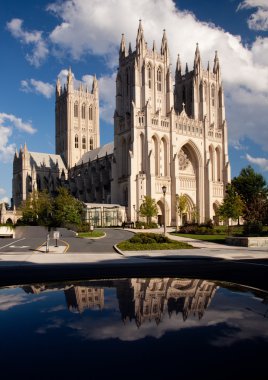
(13, 242)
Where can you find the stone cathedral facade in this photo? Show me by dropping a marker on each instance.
(168, 135)
(167, 132)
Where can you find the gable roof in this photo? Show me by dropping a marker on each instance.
(47, 160)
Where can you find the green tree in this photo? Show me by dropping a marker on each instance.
(66, 209)
(181, 204)
(232, 206)
(148, 208)
(37, 208)
(252, 188)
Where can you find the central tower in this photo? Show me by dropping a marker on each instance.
(77, 120)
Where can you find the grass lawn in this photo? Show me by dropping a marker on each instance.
(212, 238)
(91, 234)
(151, 242)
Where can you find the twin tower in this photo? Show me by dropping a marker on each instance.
(168, 133)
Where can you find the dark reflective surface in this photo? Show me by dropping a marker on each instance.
(133, 328)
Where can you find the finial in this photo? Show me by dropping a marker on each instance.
(216, 66)
(129, 48)
(178, 66)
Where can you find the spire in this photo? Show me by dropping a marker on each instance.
(129, 49)
(197, 60)
(208, 68)
(58, 87)
(186, 68)
(69, 79)
(140, 42)
(95, 84)
(140, 32)
(216, 67)
(164, 42)
(16, 153)
(123, 46)
(178, 68)
(25, 149)
(164, 46)
(154, 46)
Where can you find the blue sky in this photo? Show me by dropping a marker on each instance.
(41, 39)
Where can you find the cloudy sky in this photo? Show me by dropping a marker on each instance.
(41, 39)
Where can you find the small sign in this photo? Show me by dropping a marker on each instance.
(56, 234)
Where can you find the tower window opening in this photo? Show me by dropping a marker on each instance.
(76, 141)
(149, 76)
(91, 143)
(75, 109)
(159, 80)
(83, 142)
(213, 95)
(90, 114)
(83, 111)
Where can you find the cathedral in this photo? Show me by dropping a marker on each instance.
(170, 139)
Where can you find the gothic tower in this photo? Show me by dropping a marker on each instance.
(76, 119)
(175, 139)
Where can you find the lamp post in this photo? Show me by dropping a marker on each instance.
(177, 216)
(164, 189)
(134, 214)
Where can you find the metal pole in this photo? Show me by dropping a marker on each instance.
(165, 214)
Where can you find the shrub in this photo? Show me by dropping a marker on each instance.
(149, 238)
(200, 229)
(139, 225)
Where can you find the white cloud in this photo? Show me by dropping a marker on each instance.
(87, 27)
(4, 198)
(37, 86)
(259, 19)
(6, 150)
(17, 123)
(261, 162)
(107, 97)
(34, 38)
(7, 123)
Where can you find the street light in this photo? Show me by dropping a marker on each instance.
(164, 189)
(134, 213)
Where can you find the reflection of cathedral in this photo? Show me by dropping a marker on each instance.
(79, 298)
(167, 132)
(153, 298)
(141, 300)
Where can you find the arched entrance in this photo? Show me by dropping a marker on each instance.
(189, 166)
(162, 210)
(160, 213)
(216, 218)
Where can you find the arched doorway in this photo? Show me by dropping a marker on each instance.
(189, 165)
(162, 211)
(216, 218)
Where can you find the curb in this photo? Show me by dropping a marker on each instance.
(118, 250)
(94, 238)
